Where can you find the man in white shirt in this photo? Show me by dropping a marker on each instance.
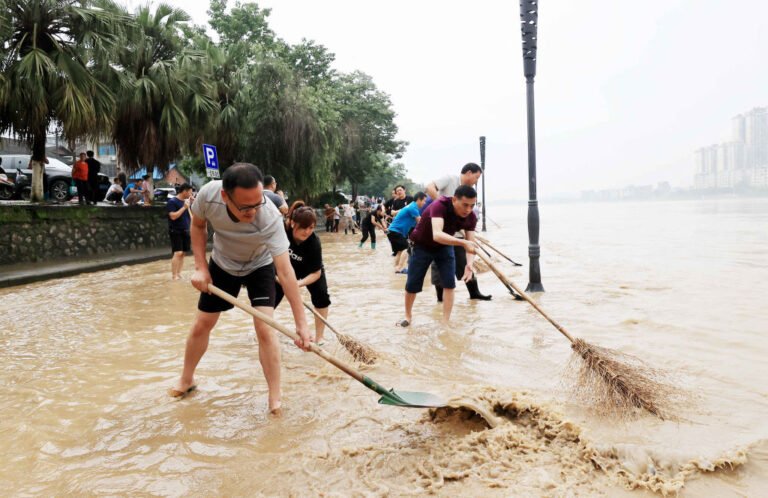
(446, 186)
(249, 246)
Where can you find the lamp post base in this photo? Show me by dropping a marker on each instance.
(534, 287)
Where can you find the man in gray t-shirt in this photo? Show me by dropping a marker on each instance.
(249, 247)
(446, 186)
(270, 186)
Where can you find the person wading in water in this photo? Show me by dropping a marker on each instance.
(307, 261)
(373, 219)
(249, 244)
(445, 186)
(434, 240)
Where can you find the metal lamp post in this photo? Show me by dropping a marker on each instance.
(482, 166)
(529, 15)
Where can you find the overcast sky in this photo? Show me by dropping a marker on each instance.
(625, 91)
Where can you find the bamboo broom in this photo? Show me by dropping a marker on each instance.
(615, 381)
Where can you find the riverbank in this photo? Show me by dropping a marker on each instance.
(26, 273)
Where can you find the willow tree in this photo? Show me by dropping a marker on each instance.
(287, 128)
(164, 96)
(368, 138)
(47, 47)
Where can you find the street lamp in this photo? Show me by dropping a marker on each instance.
(529, 15)
(482, 166)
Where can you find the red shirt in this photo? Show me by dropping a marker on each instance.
(452, 223)
(80, 171)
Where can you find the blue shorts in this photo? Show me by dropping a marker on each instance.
(419, 264)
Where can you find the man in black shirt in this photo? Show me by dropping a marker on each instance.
(94, 167)
(399, 201)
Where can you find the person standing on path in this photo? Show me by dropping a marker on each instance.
(270, 185)
(80, 175)
(94, 168)
(249, 248)
(307, 262)
(434, 240)
(445, 186)
(178, 227)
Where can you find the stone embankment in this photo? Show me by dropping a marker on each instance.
(40, 233)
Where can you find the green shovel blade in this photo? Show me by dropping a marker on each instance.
(411, 398)
(403, 398)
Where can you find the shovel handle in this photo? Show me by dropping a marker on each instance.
(285, 330)
(525, 296)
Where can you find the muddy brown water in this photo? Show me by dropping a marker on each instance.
(85, 363)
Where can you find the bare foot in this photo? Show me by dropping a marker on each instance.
(275, 403)
(277, 410)
(181, 389)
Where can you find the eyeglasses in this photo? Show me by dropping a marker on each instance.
(245, 209)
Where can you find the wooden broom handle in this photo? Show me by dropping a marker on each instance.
(485, 241)
(285, 330)
(321, 317)
(504, 279)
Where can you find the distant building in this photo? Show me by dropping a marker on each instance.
(741, 162)
(173, 176)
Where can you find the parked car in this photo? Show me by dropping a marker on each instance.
(164, 193)
(57, 179)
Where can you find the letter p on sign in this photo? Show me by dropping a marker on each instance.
(211, 161)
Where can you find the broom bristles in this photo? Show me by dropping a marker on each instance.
(619, 384)
(359, 351)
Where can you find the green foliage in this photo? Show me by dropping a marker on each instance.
(165, 97)
(160, 87)
(46, 48)
(330, 198)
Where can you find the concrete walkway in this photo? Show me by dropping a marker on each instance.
(21, 274)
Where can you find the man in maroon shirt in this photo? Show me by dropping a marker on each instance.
(433, 240)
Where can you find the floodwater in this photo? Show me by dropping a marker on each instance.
(85, 363)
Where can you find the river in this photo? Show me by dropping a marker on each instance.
(85, 363)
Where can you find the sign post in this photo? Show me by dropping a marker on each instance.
(211, 161)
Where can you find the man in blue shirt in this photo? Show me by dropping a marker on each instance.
(178, 226)
(133, 192)
(401, 226)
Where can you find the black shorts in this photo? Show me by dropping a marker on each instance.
(399, 243)
(260, 284)
(179, 241)
(318, 290)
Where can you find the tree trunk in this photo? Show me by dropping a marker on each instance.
(37, 163)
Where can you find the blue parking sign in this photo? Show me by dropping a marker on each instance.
(211, 161)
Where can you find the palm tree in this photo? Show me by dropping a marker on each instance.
(46, 48)
(163, 93)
